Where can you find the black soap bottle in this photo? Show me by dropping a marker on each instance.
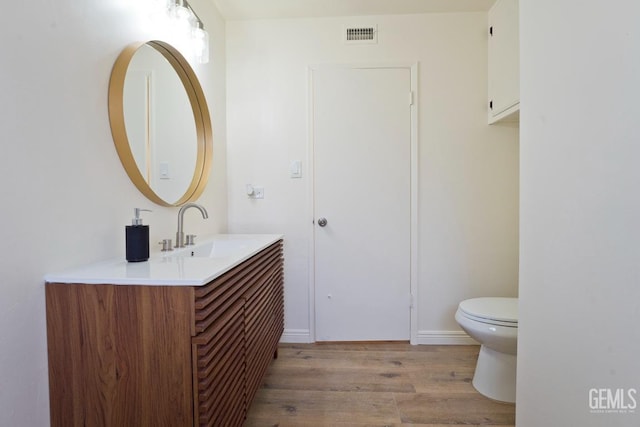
(137, 238)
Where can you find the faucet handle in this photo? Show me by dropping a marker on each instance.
(166, 245)
(190, 240)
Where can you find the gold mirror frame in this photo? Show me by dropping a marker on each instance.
(204, 132)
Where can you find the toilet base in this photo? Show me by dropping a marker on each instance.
(495, 375)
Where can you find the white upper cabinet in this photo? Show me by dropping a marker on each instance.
(504, 62)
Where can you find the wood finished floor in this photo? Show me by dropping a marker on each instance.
(374, 384)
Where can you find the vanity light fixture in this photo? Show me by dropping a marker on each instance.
(201, 40)
(187, 29)
(181, 14)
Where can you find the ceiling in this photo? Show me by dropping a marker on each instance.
(270, 9)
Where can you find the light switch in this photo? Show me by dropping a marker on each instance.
(164, 170)
(295, 169)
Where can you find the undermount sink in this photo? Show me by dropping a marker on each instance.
(219, 248)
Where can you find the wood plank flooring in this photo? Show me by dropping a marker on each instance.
(374, 384)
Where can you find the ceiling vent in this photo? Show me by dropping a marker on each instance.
(365, 34)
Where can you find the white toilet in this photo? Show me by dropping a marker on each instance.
(493, 322)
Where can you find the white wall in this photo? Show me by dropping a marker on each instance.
(65, 197)
(468, 237)
(580, 210)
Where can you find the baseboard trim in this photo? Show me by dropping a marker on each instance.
(303, 336)
(296, 336)
(444, 338)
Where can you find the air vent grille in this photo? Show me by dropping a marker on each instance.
(361, 34)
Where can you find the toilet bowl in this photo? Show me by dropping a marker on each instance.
(493, 322)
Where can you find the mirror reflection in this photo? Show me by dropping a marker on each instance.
(160, 123)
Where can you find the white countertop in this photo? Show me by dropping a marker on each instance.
(176, 268)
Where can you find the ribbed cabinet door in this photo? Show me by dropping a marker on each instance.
(220, 370)
(239, 318)
(264, 323)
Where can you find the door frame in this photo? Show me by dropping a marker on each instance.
(412, 97)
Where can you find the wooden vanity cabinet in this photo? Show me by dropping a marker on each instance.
(123, 355)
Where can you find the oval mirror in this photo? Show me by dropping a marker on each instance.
(160, 123)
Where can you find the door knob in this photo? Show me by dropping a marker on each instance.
(322, 222)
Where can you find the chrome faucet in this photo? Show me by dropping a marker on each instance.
(180, 233)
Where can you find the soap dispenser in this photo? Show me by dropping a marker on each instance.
(137, 238)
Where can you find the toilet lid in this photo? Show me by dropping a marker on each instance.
(498, 309)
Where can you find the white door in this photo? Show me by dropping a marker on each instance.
(361, 124)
